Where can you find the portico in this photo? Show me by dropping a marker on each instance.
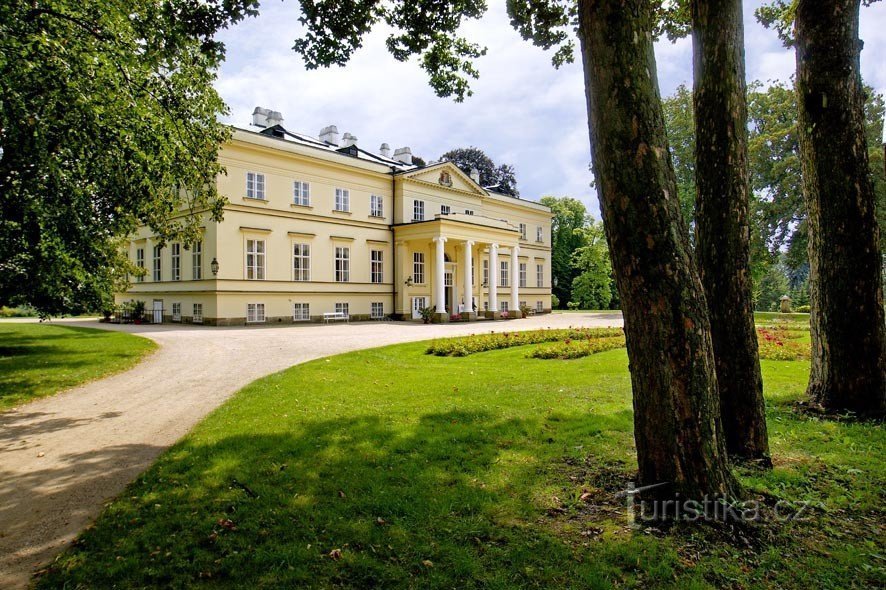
(453, 263)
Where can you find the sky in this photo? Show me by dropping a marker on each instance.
(523, 112)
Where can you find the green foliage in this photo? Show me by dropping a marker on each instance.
(501, 178)
(593, 288)
(569, 215)
(108, 119)
(37, 360)
(574, 349)
(555, 301)
(549, 24)
(680, 124)
(17, 312)
(467, 345)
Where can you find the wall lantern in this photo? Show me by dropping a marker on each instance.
(214, 266)
(408, 282)
(556, 281)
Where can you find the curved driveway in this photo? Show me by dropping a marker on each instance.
(63, 457)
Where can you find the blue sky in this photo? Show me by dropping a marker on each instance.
(523, 111)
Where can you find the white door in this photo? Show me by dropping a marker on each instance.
(417, 304)
(158, 311)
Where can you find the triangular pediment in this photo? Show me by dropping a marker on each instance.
(446, 175)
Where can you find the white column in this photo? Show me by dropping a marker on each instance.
(469, 273)
(515, 278)
(493, 277)
(440, 269)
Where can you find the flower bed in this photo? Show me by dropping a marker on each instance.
(466, 345)
(780, 344)
(573, 349)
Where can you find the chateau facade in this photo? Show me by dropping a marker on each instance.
(317, 226)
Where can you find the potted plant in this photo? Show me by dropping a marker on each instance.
(138, 311)
(525, 310)
(426, 314)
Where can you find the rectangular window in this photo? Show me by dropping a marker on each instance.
(376, 206)
(301, 193)
(539, 306)
(255, 185)
(522, 231)
(301, 262)
(376, 266)
(342, 308)
(447, 279)
(342, 200)
(376, 310)
(342, 264)
(176, 312)
(157, 251)
(197, 316)
(539, 275)
(539, 234)
(486, 273)
(255, 260)
(301, 312)
(503, 305)
(197, 261)
(418, 268)
(469, 212)
(176, 262)
(522, 274)
(445, 210)
(418, 210)
(255, 312)
(503, 265)
(140, 263)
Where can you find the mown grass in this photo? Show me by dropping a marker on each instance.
(391, 468)
(37, 360)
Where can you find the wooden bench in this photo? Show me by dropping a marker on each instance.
(336, 316)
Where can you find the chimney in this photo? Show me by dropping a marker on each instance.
(348, 140)
(274, 118)
(385, 150)
(260, 116)
(404, 155)
(475, 175)
(329, 134)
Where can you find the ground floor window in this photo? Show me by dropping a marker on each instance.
(342, 308)
(197, 316)
(301, 312)
(503, 306)
(255, 312)
(523, 304)
(376, 310)
(485, 306)
(176, 312)
(539, 306)
(522, 274)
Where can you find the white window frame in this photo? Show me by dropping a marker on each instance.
(157, 268)
(539, 234)
(197, 260)
(376, 206)
(539, 275)
(176, 312)
(486, 272)
(343, 307)
(342, 264)
(301, 193)
(376, 266)
(418, 210)
(343, 200)
(504, 273)
(197, 313)
(376, 310)
(255, 186)
(445, 209)
(539, 306)
(255, 313)
(522, 269)
(418, 268)
(522, 231)
(503, 305)
(176, 261)
(255, 259)
(140, 263)
(301, 262)
(301, 312)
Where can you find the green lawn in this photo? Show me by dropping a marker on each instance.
(37, 360)
(392, 468)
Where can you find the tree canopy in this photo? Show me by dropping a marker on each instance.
(108, 119)
(500, 178)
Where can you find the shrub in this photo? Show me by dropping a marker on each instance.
(573, 349)
(466, 345)
(555, 301)
(17, 312)
(803, 309)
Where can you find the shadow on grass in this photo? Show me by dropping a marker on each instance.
(451, 502)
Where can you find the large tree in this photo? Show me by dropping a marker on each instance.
(500, 178)
(569, 217)
(676, 406)
(722, 219)
(108, 119)
(592, 288)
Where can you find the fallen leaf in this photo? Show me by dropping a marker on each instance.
(227, 523)
(335, 554)
(427, 563)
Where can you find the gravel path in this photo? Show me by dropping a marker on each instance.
(63, 457)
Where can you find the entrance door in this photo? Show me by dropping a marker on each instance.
(449, 288)
(158, 311)
(417, 304)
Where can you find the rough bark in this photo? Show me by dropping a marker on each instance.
(848, 334)
(676, 407)
(722, 230)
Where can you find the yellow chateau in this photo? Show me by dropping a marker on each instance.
(320, 229)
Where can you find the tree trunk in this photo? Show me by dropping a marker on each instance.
(722, 229)
(676, 407)
(848, 333)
